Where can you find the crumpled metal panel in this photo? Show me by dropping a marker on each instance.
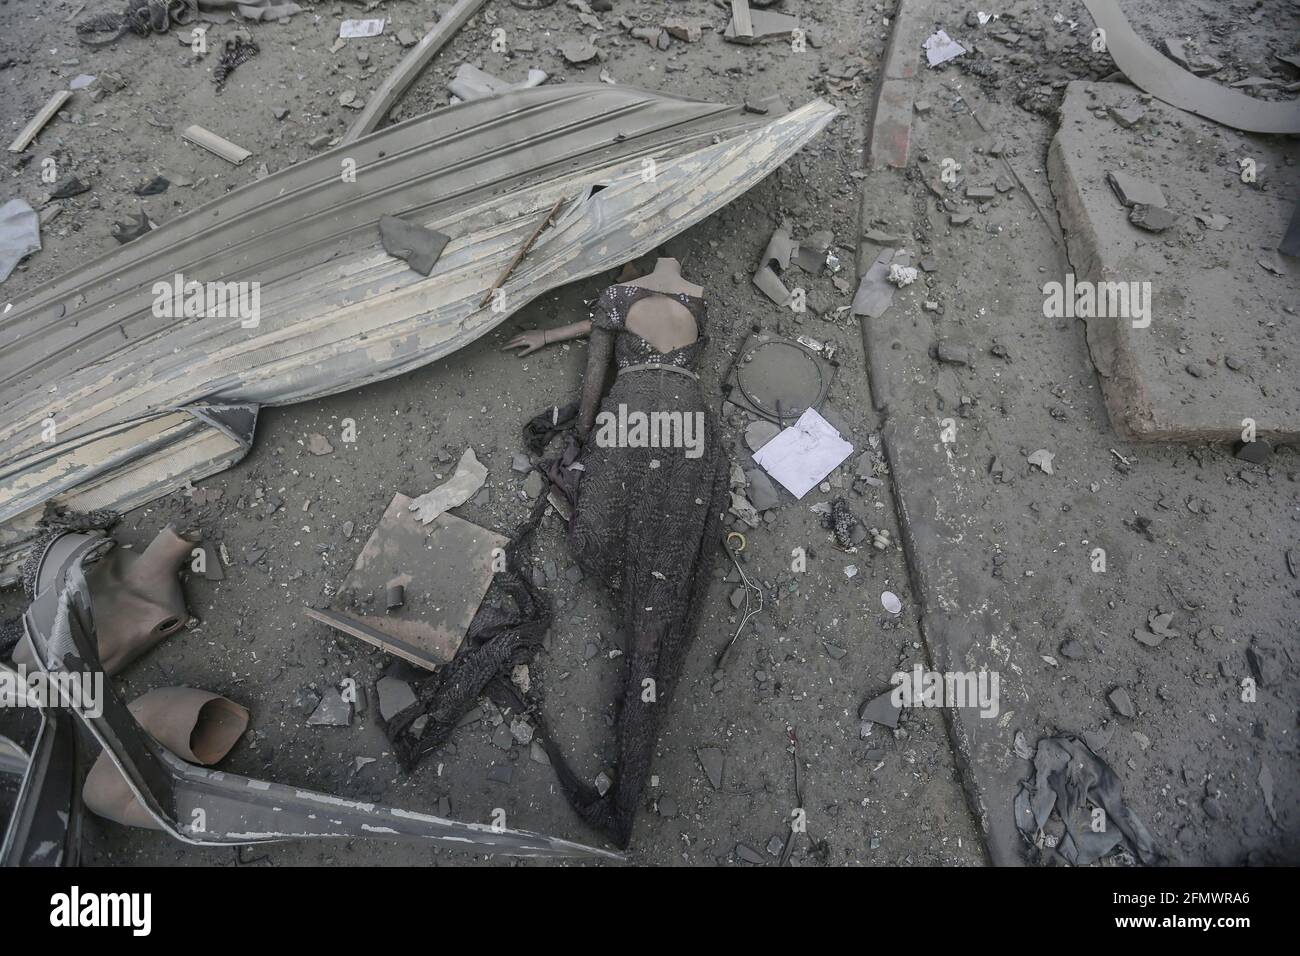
(336, 312)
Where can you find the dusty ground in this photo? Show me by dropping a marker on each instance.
(882, 800)
(1189, 761)
(1007, 552)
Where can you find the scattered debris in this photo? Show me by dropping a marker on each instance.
(430, 580)
(1132, 191)
(891, 602)
(332, 711)
(1161, 77)
(130, 230)
(72, 186)
(761, 25)
(215, 144)
(1070, 780)
(714, 763)
(417, 245)
(238, 50)
(804, 454)
(20, 235)
(1151, 218)
(394, 696)
(1042, 460)
(881, 710)
(775, 260)
(940, 48)
(359, 29)
(37, 123)
(411, 65)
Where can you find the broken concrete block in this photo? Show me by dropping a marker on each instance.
(394, 696)
(1151, 218)
(1132, 191)
(332, 711)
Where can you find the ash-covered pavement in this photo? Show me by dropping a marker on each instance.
(948, 397)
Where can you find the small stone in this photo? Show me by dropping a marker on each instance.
(666, 807)
(1255, 452)
(1151, 218)
(1121, 703)
(759, 433)
(1072, 649)
(762, 493)
(714, 763)
(501, 774)
(1127, 116)
(749, 854)
(502, 738)
(406, 37)
(522, 731)
(332, 711)
(534, 484)
(603, 783)
(1132, 191)
(881, 710)
(318, 444)
(579, 52)
(394, 696)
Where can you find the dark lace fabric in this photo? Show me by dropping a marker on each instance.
(646, 522)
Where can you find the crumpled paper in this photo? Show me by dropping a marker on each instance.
(457, 490)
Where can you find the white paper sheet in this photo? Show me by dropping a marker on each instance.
(353, 29)
(803, 454)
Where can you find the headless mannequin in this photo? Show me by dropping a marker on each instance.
(663, 322)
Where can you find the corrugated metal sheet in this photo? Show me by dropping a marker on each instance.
(91, 353)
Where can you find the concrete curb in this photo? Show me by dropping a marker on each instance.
(889, 140)
(890, 132)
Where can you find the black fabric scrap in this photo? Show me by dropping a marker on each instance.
(541, 428)
(1069, 778)
(153, 187)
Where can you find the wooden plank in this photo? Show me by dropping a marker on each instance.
(214, 144)
(404, 74)
(385, 642)
(740, 18)
(52, 106)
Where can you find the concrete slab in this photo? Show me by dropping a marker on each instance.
(1220, 342)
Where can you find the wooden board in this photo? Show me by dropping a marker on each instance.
(445, 568)
(24, 138)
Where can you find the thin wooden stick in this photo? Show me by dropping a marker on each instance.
(523, 251)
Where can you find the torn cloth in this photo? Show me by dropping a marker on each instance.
(20, 234)
(1070, 779)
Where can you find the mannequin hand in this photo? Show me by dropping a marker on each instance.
(527, 341)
